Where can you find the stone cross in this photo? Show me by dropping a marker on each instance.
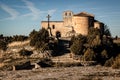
(48, 20)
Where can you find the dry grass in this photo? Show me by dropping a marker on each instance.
(18, 43)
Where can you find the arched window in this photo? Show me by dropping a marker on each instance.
(53, 26)
(65, 14)
(58, 34)
(69, 14)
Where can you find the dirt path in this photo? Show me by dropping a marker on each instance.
(69, 73)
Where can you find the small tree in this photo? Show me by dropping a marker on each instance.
(94, 37)
(77, 47)
(77, 44)
(3, 45)
(106, 31)
(40, 38)
(32, 33)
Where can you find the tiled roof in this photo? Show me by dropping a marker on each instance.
(84, 14)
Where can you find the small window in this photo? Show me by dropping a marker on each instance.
(53, 26)
(65, 14)
(69, 14)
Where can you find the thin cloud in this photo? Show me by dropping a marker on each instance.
(17, 6)
(34, 11)
(52, 11)
(12, 12)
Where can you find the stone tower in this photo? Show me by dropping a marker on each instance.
(67, 18)
(82, 21)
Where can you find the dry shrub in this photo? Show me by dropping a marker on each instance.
(89, 55)
(104, 54)
(109, 62)
(25, 52)
(116, 64)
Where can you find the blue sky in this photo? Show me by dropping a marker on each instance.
(22, 16)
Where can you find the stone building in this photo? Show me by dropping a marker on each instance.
(72, 24)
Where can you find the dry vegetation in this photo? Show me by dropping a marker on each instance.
(61, 71)
(20, 61)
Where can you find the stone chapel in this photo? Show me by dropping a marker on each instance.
(72, 24)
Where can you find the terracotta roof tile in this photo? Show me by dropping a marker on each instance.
(84, 14)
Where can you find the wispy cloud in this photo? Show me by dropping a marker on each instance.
(18, 6)
(52, 11)
(35, 12)
(12, 12)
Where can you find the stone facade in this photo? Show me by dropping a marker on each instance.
(72, 24)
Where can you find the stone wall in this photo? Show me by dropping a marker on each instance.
(81, 24)
(58, 26)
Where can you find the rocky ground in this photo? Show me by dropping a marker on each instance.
(11, 58)
(63, 73)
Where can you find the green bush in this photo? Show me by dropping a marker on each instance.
(77, 47)
(94, 37)
(39, 39)
(77, 44)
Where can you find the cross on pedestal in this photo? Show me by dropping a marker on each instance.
(49, 25)
(48, 20)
